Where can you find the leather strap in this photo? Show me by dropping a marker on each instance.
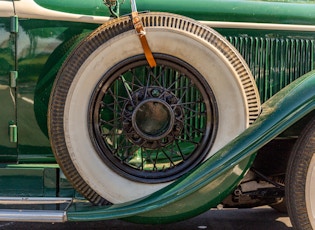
(141, 33)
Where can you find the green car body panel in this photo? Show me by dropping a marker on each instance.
(7, 64)
(276, 39)
(93, 7)
(287, 12)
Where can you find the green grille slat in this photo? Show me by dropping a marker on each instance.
(275, 62)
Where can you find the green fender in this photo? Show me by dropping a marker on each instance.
(209, 183)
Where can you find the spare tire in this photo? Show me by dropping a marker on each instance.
(121, 130)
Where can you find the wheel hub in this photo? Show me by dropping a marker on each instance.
(153, 118)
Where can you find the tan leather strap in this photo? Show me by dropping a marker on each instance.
(141, 33)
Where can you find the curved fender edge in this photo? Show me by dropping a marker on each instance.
(209, 183)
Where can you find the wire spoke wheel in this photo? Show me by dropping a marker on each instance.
(153, 125)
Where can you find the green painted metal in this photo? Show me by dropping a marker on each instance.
(45, 46)
(24, 182)
(271, 11)
(210, 182)
(276, 59)
(34, 180)
(8, 151)
(91, 7)
(28, 181)
(38, 66)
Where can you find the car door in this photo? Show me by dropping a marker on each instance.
(8, 74)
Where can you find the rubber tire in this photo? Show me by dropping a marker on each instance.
(300, 180)
(47, 78)
(221, 65)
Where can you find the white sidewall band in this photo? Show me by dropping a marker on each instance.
(310, 192)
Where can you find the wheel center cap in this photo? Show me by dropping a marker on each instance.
(153, 119)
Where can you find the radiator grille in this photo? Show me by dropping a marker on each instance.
(274, 62)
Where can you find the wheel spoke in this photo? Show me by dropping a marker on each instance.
(127, 88)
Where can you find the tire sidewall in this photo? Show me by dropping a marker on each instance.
(300, 180)
(212, 65)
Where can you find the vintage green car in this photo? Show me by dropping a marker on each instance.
(156, 111)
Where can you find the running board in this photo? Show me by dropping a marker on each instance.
(34, 209)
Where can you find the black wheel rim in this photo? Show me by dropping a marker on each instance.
(152, 125)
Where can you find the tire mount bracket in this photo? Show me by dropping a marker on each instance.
(136, 20)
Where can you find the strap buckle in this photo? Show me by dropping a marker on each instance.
(136, 20)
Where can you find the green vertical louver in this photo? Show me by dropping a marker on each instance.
(275, 62)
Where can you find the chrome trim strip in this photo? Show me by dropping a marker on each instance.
(259, 26)
(29, 9)
(28, 215)
(33, 200)
(6, 8)
(33, 215)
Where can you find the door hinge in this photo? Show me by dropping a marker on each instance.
(13, 76)
(14, 24)
(13, 132)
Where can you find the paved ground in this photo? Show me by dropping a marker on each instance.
(230, 219)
